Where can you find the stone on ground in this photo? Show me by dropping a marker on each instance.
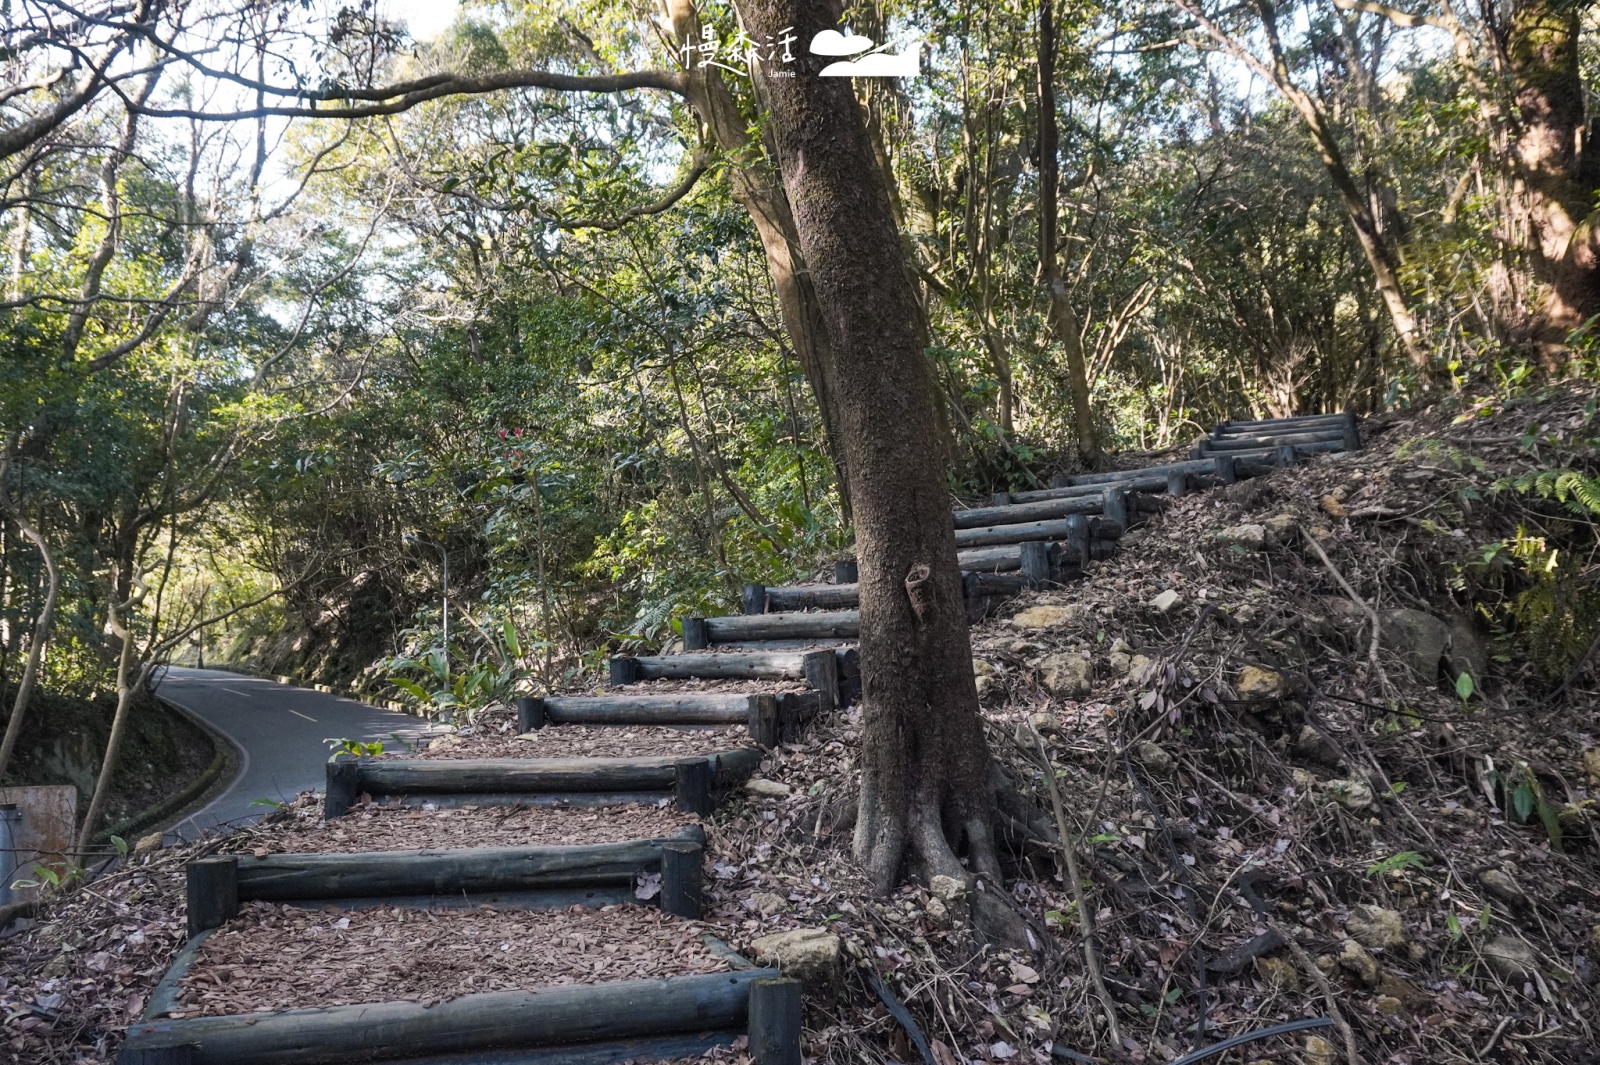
(1166, 601)
(1376, 927)
(1511, 959)
(1046, 616)
(1417, 637)
(811, 955)
(1068, 674)
(1154, 757)
(1249, 535)
(1355, 960)
(1257, 683)
(767, 789)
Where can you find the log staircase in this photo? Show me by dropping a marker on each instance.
(801, 640)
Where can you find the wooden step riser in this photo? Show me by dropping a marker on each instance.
(587, 1021)
(489, 781)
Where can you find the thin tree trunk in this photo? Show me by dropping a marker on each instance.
(41, 632)
(119, 727)
(1375, 246)
(757, 190)
(925, 763)
(1063, 320)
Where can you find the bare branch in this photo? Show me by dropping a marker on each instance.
(403, 97)
(1394, 15)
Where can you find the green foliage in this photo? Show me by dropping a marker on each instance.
(1579, 493)
(1540, 584)
(1523, 796)
(1396, 864)
(356, 747)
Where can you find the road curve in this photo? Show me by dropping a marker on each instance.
(280, 732)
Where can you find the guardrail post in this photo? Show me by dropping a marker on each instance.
(846, 572)
(1036, 562)
(774, 1024)
(691, 786)
(682, 873)
(822, 674)
(1286, 455)
(213, 892)
(1114, 505)
(761, 719)
(1078, 539)
(624, 670)
(1177, 484)
(530, 714)
(695, 636)
(1227, 472)
(343, 785)
(754, 600)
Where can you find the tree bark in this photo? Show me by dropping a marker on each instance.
(925, 763)
(1552, 188)
(1063, 320)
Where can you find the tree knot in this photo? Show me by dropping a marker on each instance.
(919, 586)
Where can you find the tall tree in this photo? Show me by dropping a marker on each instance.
(1376, 245)
(1521, 61)
(1063, 319)
(925, 763)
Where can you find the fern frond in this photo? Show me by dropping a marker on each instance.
(1574, 489)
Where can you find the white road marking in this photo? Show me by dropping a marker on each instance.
(297, 713)
(236, 691)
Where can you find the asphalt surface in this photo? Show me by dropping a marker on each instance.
(280, 732)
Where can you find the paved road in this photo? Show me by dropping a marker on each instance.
(280, 731)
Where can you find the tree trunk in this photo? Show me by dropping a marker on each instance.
(1063, 321)
(41, 635)
(119, 726)
(756, 189)
(1552, 188)
(925, 785)
(1375, 246)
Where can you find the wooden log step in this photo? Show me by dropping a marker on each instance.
(285, 877)
(754, 712)
(791, 626)
(1065, 559)
(687, 708)
(831, 643)
(1133, 481)
(1256, 442)
(803, 597)
(1200, 466)
(1267, 454)
(570, 1017)
(1043, 510)
(1305, 420)
(491, 781)
(980, 585)
(1024, 532)
(755, 665)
